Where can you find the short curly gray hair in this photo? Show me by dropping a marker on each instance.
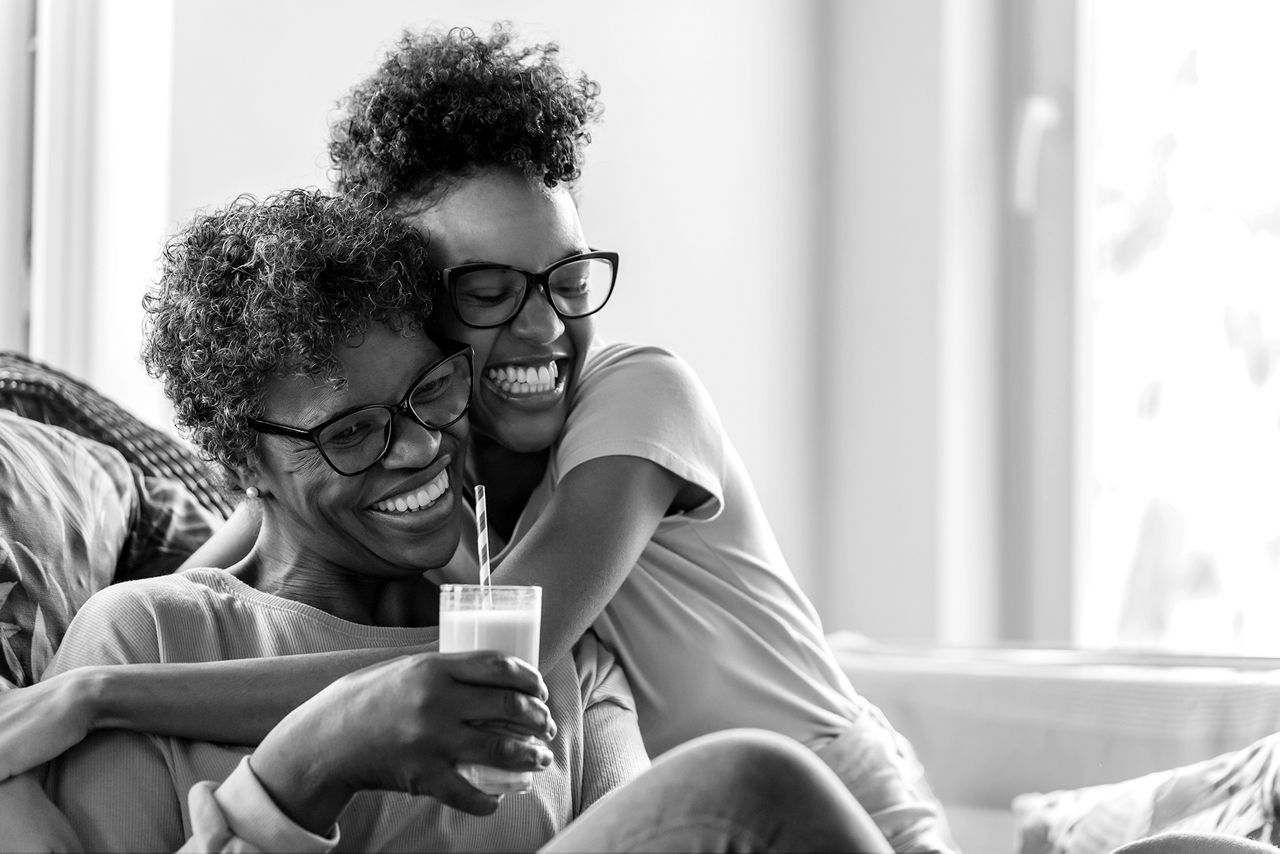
(267, 288)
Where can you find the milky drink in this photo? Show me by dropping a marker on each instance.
(506, 618)
(510, 632)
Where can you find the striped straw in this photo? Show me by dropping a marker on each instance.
(482, 535)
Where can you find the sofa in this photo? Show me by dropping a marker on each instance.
(1051, 750)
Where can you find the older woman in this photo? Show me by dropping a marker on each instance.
(287, 336)
(304, 310)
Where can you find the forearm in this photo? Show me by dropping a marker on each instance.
(230, 543)
(570, 604)
(236, 702)
(586, 542)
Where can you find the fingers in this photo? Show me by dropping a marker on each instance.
(209, 830)
(503, 690)
(504, 750)
(490, 668)
(509, 711)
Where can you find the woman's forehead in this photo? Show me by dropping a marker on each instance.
(373, 368)
(501, 218)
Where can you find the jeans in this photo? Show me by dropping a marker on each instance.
(734, 791)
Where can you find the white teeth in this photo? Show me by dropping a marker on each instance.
(525, 380)
(418, 499)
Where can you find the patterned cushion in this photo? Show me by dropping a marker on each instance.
(1233, 794)
(37, 391)
(75, 516)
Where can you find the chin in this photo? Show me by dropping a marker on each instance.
(416, 555)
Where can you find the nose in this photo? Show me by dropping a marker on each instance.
(537, 320)
(412, 445)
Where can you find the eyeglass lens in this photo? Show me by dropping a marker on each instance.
(492, 297)
(358, 440)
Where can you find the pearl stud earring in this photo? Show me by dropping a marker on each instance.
(252, 492)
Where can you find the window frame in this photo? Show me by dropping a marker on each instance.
(1042, 328)
(17, 97)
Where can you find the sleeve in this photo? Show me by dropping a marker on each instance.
(252, 816)
(647, 402)
(613, 750)
(31, 821)
(116, 626)
(116, 789)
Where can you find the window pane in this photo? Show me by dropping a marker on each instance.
(1183, 522)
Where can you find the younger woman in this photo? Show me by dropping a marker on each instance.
(606, 466)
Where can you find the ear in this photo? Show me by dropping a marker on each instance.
(248, 476)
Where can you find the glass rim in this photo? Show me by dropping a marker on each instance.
(450, 587)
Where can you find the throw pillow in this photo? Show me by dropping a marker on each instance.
(75, 517)
(1233, 794)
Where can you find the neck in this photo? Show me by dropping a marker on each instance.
(509, 478)
(280, 567)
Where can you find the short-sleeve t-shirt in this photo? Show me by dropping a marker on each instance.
(710, 625)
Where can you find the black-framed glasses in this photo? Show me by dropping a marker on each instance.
(354, 441)
(485, 295)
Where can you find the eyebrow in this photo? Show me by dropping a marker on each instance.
(316, 413)
(581, 251)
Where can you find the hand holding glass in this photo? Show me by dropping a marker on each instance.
(506, 618)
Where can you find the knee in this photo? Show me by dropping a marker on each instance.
(753, 746)
(768, 763)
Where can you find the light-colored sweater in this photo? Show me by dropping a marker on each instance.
(127, 792)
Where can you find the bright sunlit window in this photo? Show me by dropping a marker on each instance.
(1183, 401)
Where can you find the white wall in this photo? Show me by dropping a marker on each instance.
(912, 223)
(774, 173)
(699, 175)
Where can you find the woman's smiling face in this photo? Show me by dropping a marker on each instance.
(502, 217)
(394, 520)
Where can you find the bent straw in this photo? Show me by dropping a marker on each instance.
(482, 538)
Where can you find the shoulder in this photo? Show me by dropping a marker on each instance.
(606, 362)
(158, 594)
(625, 378)
(127, 622)
(646, 402)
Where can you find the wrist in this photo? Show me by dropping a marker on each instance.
(307, 788)
(93, 696)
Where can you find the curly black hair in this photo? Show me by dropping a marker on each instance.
(443, 106)
(269, 288)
